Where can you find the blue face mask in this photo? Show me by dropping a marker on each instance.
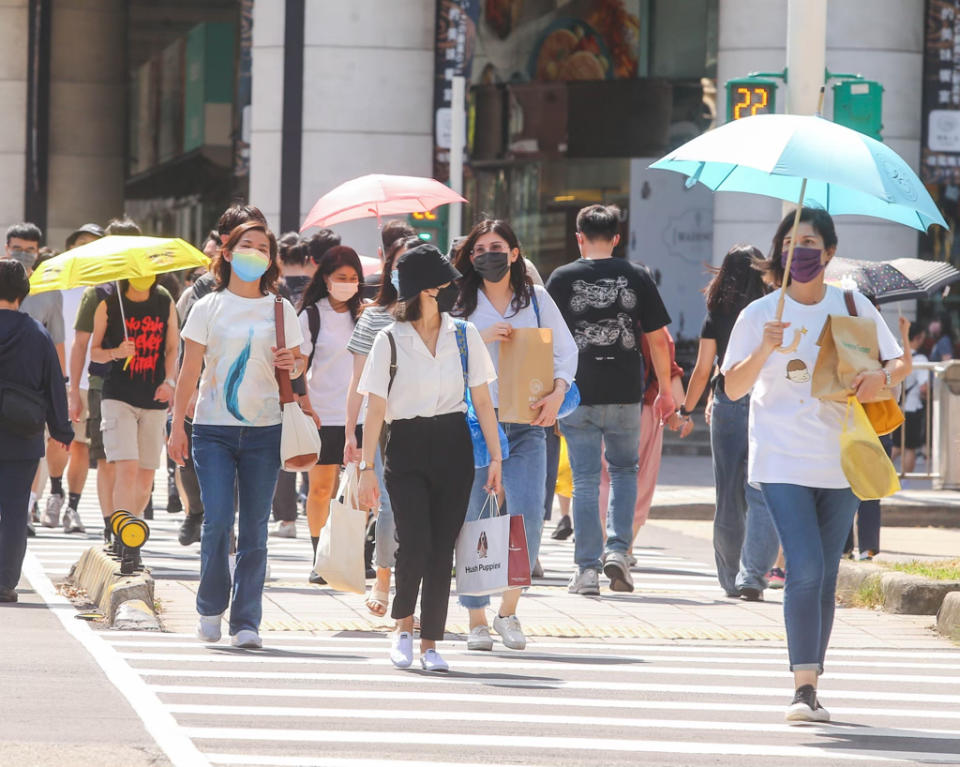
(249, 265)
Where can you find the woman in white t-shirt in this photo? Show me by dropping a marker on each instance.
(794, 454)
(328, 313)
(498, 296)
(414, 382)
(231, 336)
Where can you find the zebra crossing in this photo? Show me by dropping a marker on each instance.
(332, 699)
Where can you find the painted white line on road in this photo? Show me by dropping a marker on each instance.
(504, 664)
(564, 720)
(549, 701)
(501, 741)
(544, 683)
(157, 720)
(459, 650)
(330, 761)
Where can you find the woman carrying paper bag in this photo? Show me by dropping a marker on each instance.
(536, 360)
(795, 438)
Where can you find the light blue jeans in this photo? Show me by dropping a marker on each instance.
(246, 458)
(615, 430)
(745, 542)
(813, 524)
(385, 549)
(524, 483)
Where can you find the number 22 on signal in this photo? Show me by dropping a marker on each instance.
(747, 96)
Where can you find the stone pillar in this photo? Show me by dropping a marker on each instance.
(14, 42)
(87, 115)
(266, 107)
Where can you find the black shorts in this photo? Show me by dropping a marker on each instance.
(332, 441)
(915, 426)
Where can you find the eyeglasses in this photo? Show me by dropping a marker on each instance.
(495, 248)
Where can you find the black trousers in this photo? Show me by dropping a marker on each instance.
(188, 474)
(428, 471)
(16, 477)
(285, 497)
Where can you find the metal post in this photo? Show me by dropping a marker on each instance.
(458, 133)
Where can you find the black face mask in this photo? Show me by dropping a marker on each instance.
(492, 265)
(446, 298)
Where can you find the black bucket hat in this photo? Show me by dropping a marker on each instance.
(422, 268)
(95, 229)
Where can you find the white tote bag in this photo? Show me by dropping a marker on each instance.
(339, 557)
(483, 553)
(299, 436)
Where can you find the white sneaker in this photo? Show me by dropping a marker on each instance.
(585, 582)
(431, 661)
(480, 639)
(616, 568)
(510, 632)
(51, 513)
(247, 639)
(284, 530)
(72, 522)
(208, 628)
(401, 649)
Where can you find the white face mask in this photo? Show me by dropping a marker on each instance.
(343, 291)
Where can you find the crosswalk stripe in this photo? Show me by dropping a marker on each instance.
(544, 684)
(527, 665)
(536, 700)
(502, 741)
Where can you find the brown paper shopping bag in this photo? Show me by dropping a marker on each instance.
(526, 373)
(847, 346)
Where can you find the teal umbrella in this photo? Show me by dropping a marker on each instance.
(807, 160)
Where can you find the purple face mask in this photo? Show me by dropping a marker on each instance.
(805, 265)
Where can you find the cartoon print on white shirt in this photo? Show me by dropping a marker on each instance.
(601, 294)
(797, 372)
(605, 333)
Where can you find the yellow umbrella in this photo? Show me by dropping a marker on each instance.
(115, 258)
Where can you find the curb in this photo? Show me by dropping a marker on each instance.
(99, 575)
(902, 593)
(948, 617)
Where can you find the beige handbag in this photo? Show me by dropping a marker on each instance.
(299, 436)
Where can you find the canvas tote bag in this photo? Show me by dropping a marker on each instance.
(339, 558)
(299, 436)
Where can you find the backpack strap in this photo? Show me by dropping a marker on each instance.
(393, 359)
(536, 305)
(851, 303)
(313, 318)
(460, 331)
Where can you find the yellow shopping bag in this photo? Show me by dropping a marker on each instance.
(865, 463)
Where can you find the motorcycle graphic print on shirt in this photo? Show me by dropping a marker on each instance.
(602, 294)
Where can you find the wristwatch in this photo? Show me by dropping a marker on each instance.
(683, 412)
(364, 466)
(888, 376)
(170, 382)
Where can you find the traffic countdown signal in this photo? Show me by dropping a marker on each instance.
(431, 226)
(750, 96)
(858, 104)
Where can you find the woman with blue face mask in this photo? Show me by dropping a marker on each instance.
(794, 441)
(231, 336)
(497, 296)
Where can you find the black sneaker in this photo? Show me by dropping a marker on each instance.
(748, 594)
(7, 594)
(563, 530)
(148, 512)
(315, 577)
(174, 504)
(806, 707)
(190, 529)
(31, 530)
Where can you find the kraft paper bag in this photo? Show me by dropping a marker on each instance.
(848, 345)
(525, 374)
(339, 558)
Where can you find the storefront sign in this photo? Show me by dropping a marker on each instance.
(941, 93)
(456, 39)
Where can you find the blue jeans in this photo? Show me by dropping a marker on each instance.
(813, 524)
(247, 458)
(524, 482)
(615, 430)
(385, 551)
(745, 542)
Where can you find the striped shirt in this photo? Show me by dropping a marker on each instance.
(371, 321)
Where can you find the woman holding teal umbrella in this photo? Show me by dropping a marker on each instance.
(794, 454)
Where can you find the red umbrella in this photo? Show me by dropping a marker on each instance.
(379, 195)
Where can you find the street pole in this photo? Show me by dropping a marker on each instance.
(806, 58)
(458, 133)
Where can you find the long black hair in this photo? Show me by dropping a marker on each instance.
(330, 261)
(520, 282)
(736, 282)
(822, 224)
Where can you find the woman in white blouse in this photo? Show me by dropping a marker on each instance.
(497, 295)
(414, 381)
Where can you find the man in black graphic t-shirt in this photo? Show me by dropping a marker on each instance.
(606, 303)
